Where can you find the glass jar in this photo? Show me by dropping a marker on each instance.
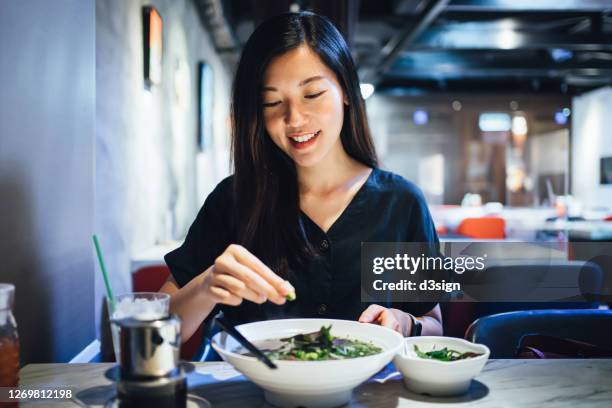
(9, 341)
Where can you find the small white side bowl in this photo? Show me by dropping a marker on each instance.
(439, 378)
(309, 383)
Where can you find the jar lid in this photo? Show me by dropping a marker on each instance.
(7, 295)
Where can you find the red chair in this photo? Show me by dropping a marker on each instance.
(151, 279)
(483, 228)
(441, 230)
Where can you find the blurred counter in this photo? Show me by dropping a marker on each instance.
(526, 224)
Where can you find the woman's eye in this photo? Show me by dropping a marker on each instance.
(315, 95)
(310, 96)
(270, 104)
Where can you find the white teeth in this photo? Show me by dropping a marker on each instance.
(305, 138)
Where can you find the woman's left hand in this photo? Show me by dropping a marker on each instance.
(392, 318)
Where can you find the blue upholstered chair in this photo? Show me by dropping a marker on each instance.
(502, 332)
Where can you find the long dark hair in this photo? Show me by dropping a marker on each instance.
(266, 197)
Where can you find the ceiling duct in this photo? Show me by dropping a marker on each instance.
(215, 17)
(587, 80)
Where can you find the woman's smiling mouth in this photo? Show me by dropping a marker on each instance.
(303, 140)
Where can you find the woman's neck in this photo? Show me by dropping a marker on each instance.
(333, 172)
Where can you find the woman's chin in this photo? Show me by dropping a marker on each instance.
(315, 159)
(306, 162)
(317, 155)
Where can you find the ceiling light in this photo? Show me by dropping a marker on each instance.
(494, 122)
(560, 54)
(560, 118)
(507, 39)
(420, 117)
(519, 125)
(366, 90)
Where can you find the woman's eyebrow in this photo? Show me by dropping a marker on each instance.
(302, 83)
(313, 78)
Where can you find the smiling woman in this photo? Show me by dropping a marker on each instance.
(295, 78)
(306, 192)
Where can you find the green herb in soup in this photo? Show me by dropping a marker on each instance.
(321, 345)
(445, 354)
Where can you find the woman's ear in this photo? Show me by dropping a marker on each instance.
(346, 101)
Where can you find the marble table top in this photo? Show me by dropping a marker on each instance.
(502, 383)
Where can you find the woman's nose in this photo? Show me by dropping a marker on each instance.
(294, 117)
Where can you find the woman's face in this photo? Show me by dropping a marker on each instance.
(303, 106)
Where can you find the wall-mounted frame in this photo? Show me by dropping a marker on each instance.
(205, 106)
(152, 45)
(605, 172)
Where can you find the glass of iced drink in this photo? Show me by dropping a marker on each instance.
(137, 305)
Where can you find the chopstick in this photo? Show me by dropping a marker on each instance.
(244, 342)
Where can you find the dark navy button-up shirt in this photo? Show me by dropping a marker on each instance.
(387, 208)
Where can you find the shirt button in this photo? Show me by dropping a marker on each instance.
(324, 245)
(322, 309)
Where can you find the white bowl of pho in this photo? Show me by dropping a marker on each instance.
(319, 361)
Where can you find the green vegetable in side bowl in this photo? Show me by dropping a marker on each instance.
(445, 354)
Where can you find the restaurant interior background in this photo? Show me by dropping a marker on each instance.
(492, 107)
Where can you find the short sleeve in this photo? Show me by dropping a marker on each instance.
(208, 236)
(421, 229)
(421, 223)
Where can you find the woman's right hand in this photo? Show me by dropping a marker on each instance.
(237, 274)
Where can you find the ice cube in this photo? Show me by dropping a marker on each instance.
(141, 309)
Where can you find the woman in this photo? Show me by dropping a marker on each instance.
(306, 191)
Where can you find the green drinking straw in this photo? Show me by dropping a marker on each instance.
(109, 291)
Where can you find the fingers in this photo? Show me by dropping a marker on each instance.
(237, 288)
(387, 319)
(227, 264)
(380, 315)
(242, 274)
(249, 260)
(370, 315)
(223, 296)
